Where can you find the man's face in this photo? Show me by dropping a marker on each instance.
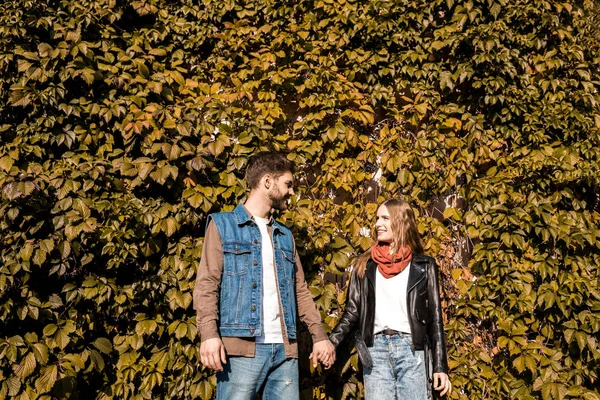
(281, 190)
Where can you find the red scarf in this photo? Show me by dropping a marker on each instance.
(390, 265)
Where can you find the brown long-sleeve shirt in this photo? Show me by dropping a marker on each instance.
(206, 301)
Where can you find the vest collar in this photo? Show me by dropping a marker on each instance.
(242, 217)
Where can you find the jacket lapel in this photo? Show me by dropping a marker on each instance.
(371, 269)
(418, 265)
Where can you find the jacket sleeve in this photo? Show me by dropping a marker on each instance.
(208, 283)
(307, 310)
(435, 329)
(351, 313)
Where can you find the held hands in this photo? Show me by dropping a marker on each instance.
(323, 352)
(442, 382)
(212, 354)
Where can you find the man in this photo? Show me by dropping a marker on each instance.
(249, 290)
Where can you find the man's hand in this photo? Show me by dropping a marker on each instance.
(323, 351)
(442, 382)
(212, 354)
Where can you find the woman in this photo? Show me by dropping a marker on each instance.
(394, 310)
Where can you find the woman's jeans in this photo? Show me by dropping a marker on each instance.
(398, 370)
(243, 377)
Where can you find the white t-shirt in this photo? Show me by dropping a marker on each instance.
(270, 298)
(391, 310)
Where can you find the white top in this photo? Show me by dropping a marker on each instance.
(270, 297)
(391, 310)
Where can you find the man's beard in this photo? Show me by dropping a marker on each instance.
(278, 202)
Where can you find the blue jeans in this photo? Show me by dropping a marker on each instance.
(398, 370)
(243, 377)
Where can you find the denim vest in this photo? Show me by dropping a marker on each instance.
(240, 305)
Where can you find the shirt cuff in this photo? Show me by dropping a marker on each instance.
(209, 330)
(318, 334)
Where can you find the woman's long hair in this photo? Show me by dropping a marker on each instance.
(404, 232)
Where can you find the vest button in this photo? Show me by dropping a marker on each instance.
(253, 308)
(254, 285)
(251, 331)
(255, 262)
(255, 241)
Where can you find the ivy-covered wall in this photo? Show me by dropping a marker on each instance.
(124, 123)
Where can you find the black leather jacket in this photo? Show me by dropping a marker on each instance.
(423, 301)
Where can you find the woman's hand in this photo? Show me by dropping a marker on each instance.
(442, 382)
(324, 352)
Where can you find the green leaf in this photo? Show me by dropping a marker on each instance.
(104, 345)
(40, 256)
(97, 360)
(40, 351)
(14, 385)
(195, 200)
(27, 252)
(181, 330)
(205, 389)
(75, 360)
(519, 363)
(145, 327)
(61, 338)
(158, 52)
(6, 163)
(161, 175)
(495, 10)
(143, 70)
(47, 379)
(65, 249)
(582, 339)
(170, 226)
(26, 367)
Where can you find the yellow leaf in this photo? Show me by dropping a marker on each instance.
(6, 163)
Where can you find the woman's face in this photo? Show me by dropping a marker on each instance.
(383, 225)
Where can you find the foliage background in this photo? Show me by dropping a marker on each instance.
(124, 123)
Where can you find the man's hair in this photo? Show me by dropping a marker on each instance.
(267, 162)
